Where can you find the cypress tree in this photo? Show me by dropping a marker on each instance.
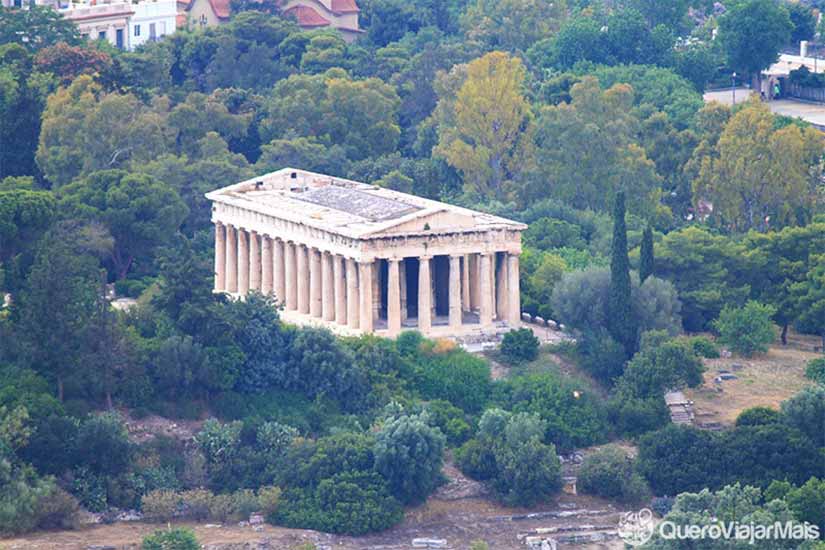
(621, 323)
(646, 258)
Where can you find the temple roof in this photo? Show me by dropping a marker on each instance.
(352, 209)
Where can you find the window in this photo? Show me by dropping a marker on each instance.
(119, 38)
(152, 33)
(137, 30)
(101, 35)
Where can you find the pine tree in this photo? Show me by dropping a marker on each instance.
(621, 322)
(646, 258)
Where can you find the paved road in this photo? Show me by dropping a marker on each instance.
(810, 112)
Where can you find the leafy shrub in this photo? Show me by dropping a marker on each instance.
(160, 505)
(704, 347)
(90, 489)
(458, 377)
(633, 416)
(477, 460)
(197, 503)
(268, 499)
(173, 539)
(58, 510)
(611, 473)
(816, 370)
(805, 411)
(747, 330)
(520, 345)
(758, 416)
(602, 356)
(450, 420)
(102, 444)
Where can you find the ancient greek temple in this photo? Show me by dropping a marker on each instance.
(359, 258)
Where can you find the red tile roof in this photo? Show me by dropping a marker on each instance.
(221, 8)
(307, 17)
(344, 6)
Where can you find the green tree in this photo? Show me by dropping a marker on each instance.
(102, 444)
(484, 130)
(808, 502)
(520, 345)
(805, 411)
(747, 330)
(752, 32)
(409, 454)
(661, 366)
(680, 458)
(621, 321)
(36, 27)
(141, 212)
(512, 25)
(611, 473)
(24, 216)
(811, 295)
(803, 20)
(646, 261)
(760, 176)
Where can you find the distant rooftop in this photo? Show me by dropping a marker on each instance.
(351, 208)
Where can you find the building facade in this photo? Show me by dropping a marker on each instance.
(152, 20)
(358, 258)
(102, 21)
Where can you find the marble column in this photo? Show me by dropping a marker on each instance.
(393, 297)
(290, 278)
(475, 280)
(501, 287)
(340, 290)
(327, 288)
(315, 282)
(254, 261)
(425, 297)
(513, 297)
(302, 276)
(280, 276)
(243, 262)
(455, 291)
(231, 259)
(220, 257)
(365, 278)
(486, 290)
(402, 276)
(353, 301)
(266, 264)
(465, 282)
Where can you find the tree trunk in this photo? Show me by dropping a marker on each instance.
(785, 334)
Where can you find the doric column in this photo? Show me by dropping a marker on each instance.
(475, 278)
(402, 276)
(393, 297)
(290, 278)
(486, 290)
(254, 261)
(465, 282)
(501, 287)
(283, 281)
(220, 257)
(340, 290)
(231, 259)
(314, 282)
(455, 291)
(513, 298)
(302, 255)
(353, 302)
(425, 297)
(243, 262)
(376, 289)
(365, 277)
(266, 264)
(327, 288)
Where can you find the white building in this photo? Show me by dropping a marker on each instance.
(102, 21)
(152, 20)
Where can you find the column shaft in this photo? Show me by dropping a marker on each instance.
(266, 264)
(486, 290)
(465, 282)
(220, 257)
(340, 290)
(393, 298)
(365, 278)
(475, 278)
(513, 291)
(455, 291)
(425, 296)
(254, 261)
(231, 259)
(302, 255)
(402, 275)
(314, 282)
(501, 287)
(243, 262)
(290, 278)
(353, 302)
(327, 288)
(283, 281)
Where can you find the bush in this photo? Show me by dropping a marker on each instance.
(520, 345)
(457, 376)
(58, 510)
(602, 356)
(747, 330)
(635, 416)
(611, 473)
(805, 411)
(704, 347)
(816, 370)
(476, 460)
(196, 503)
(160, 505)
(450, 420)
(173, 539)
(758, 416)
(268, 499)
